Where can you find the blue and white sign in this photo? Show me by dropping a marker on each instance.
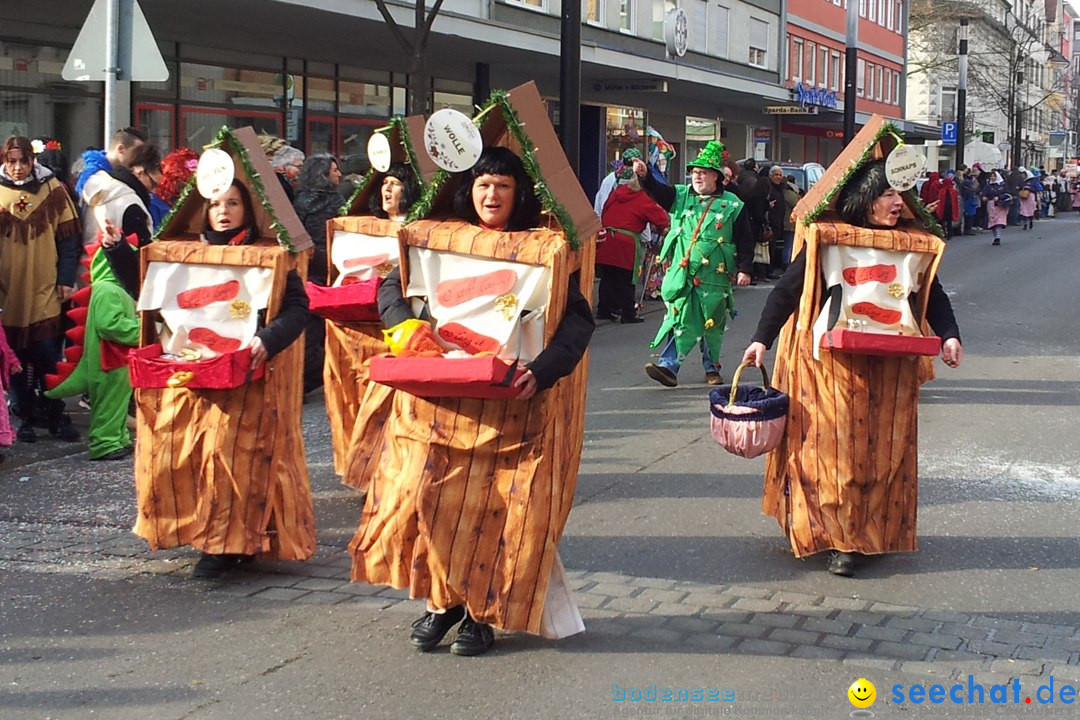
(948, 133)
(822, 97)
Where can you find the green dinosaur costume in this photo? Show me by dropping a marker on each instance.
(111, 325)
(697, 286)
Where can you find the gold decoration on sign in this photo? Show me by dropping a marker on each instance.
(384, 269)
(190, 355)
(507, 305)
(180, 378)
(239, 309)
(896, 290)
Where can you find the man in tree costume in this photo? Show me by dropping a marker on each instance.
(708, 241)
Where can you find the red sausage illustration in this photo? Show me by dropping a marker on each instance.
(878, 314)
(455, 292)
(870, 273)
(468, 340)
(203, 296)
(370, 261)
(209, 338)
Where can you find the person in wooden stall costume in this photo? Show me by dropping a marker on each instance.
(223, 470)
(844, 478)
(709, 243)
(364, 248)
(39, 256)
(470, 495)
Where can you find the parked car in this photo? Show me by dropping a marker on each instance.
(805, 174)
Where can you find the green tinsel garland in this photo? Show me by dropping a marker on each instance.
(920, 209)
(225, 135)
(528, 159)
(406, 142)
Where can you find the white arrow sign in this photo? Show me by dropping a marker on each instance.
(137, 53)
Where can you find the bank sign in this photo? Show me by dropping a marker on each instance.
(821, 97)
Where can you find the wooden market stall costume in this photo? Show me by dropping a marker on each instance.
(224, 469)
(844, 477)
(368, 247)
(468, 497)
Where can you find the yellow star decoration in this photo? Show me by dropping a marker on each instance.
(896, 290)
(709, 323)
(239, 309)
(506, 305)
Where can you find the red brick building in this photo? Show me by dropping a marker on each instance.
(815, 34)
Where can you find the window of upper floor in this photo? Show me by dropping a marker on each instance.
(759, 43)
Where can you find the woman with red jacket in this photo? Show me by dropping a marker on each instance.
(930, 189)
(626, 213)
(948, 207)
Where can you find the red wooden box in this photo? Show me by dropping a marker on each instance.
(356, 302)
(231, 370)
(476, 377)
(872, 343)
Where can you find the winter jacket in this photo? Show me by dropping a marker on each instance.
(629, 210)
(948, 209)
(314, 208)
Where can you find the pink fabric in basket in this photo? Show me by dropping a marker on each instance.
(748, 438)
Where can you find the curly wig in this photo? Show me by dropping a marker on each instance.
(176, 170)
(409, 194)
(858, 195)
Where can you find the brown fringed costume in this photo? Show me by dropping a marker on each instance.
(224, 470)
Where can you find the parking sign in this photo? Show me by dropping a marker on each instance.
(948, 133)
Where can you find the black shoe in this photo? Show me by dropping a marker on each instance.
(429, 630)
(64, 430)
(26, 433)
(661, 375)
(632, 320)
(473, 638)
(774, 276)
(842, 563)
(118, 454)
(997, 241)
(607, 316)
(212, 566)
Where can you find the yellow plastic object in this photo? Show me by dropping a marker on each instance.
(398, 336)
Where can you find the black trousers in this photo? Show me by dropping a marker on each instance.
(616, 295)
(38, 359)
(314, 352)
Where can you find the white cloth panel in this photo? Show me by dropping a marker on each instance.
(359, 255)
(903, 275)
(486, 314)
(165, 281)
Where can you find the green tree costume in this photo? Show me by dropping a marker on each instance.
(699, 246)
(111, 318)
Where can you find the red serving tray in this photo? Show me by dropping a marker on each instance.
(231, 370)
(356, 302)
(475, 377)
(872, 343)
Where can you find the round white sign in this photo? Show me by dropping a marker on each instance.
(214, 173)
(452, 140)
(676, 32)
(378, 152)
(904, 166)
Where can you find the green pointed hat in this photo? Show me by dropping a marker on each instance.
(711, 157)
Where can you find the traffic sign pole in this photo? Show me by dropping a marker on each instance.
(112, 45)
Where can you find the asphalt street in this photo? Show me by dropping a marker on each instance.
(682, 582)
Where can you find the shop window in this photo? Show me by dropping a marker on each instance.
(199, 125)
(625, 128)
(156, 120)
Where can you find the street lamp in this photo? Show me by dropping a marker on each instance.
(961, 95)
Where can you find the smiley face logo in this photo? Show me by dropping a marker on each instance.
(862, 693)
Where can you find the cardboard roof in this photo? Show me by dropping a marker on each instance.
(274, 213)
(875, 141)
(403, 134)
(555, 170)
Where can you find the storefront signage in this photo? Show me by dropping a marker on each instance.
(646, 85)
(676, 32)
(822, 97)
(790, 110)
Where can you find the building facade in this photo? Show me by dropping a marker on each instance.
(326, 74)
(815, 38)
